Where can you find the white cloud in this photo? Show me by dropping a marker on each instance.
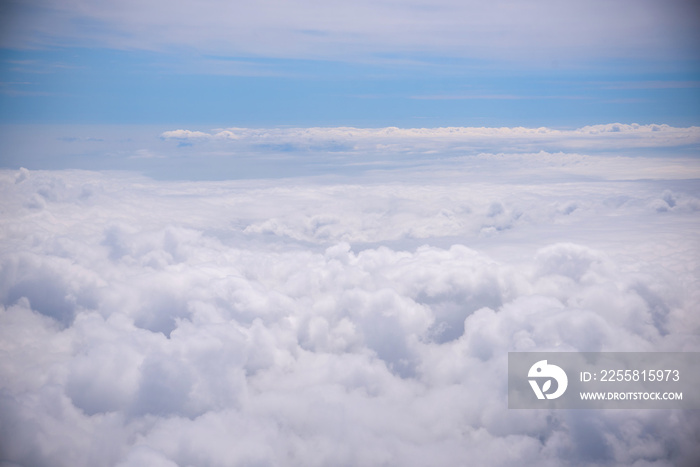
(308, 322)
(184, 134)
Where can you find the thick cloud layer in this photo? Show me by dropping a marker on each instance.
(362, 321)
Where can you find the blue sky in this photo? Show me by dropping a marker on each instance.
(369, 64)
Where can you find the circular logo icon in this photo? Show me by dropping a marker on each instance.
(542, 374)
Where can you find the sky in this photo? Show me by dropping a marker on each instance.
(95, 78)
(369, 64)
(308, 233)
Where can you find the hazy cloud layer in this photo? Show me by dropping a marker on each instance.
(540, 30)
(516, 153)
(611, 151)
(358, 322)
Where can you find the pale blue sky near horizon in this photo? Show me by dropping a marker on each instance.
(87, 86)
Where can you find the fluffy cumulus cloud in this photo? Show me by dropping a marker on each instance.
(356, 321)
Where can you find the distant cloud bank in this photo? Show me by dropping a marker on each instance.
(614, 135)
(516, 152)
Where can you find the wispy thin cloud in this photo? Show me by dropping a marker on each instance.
(492, 97)
(542, 31)
(651, 85)
(19, 88)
